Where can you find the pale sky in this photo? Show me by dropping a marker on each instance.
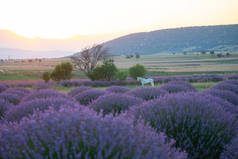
(65, 18)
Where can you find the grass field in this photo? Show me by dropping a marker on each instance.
(157, 65)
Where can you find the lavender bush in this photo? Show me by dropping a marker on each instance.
(78, 90)
(27, 108)
(86, 97)
(147, 93)
(230, 151)
(184, 84)
(114, 103)
(10, 98)
(3, 87)
(117, 89)
(175, 88)
(43, 93)
(4, 106)
(234, 82)
(226, 86)
(19, 91)
(199, 126)
(224, 94)
(72, 134)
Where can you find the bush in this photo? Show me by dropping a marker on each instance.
(184, 84)
(224, 94)
(3, 87)
(27, 108)
(82, 134)
(114, 103)
(121, 75)
(46, 76)
(175, 88)
(88, 96)
(20, 92)
(62, 71)
(227, 106)
(234, 82)
(230, 151)
(226, 86)
(4, 106)
(78, 90)
(137, 71)
(43, 94)
(199, 126)
(147, 93)
(10, 98)
(107, 71)
(117, 89)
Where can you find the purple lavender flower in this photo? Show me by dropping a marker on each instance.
(27, 108)
(82, 134)
(114, 103)
(147, 93)
(230, 151)
(10, 98)
(199, 126)
(4, 106)
(117, 89)
(77, 90)
(43, 93)
(175, 88)
(86, 97)
(224, 94)
(19, 91)
(226, 86)
(3, 87)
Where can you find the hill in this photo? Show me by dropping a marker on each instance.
(190, 39)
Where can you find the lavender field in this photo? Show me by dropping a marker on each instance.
(172, 121)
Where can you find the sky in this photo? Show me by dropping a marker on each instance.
(66, 18)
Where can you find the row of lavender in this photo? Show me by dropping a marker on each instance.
(161, 79)
(173, 121)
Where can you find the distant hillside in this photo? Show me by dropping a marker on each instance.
(6, 53)
(191, 39)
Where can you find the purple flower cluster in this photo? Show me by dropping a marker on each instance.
(230, 151)
(19, 91)
(82, 134)
(147, 93)
(114, 103)
(43, 94)
(3, 87)
(10, 98)
(4, 106)
(199, 126)
(78, 90)
(117, 89)
(178, 86)
(86, 97)
(27, 108)
(43, 85)
(226, 86)
(224, 94)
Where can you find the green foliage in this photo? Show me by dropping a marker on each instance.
(46, 76)
(137, 71)
(62, 71)
(121, 75)
(107, 71)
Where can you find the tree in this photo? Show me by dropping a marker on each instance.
(107, 71)
(203, 52)
(212, 52)
(89, 57)
(137, 71)
(62, 71)
(137, 55)
(46, 76)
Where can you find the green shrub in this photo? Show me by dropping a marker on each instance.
(121, 75)
(46, 76)
(107, 71)
(137, 71)
(62, 71)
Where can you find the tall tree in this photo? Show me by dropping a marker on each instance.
(88, 58)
